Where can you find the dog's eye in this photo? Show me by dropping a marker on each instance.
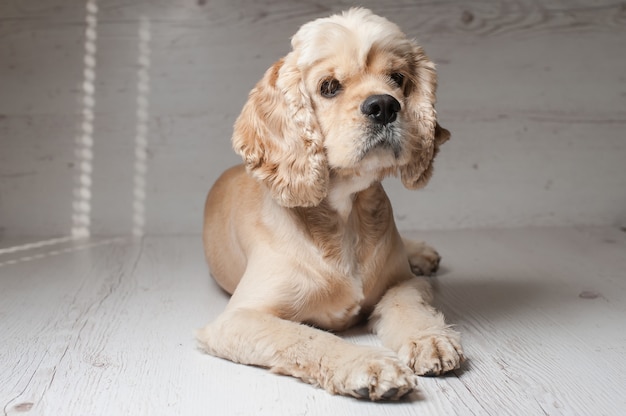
(397, 78)
(330, 87)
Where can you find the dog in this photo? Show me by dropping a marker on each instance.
(302, 234)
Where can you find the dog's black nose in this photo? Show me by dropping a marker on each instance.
(383, 109)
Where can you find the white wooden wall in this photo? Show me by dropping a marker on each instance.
(533, 91)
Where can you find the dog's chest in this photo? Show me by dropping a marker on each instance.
(347, 259)
(341, 291)
(336, 303)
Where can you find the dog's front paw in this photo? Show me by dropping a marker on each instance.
(433, 354)
(374, 374)
(424, 260)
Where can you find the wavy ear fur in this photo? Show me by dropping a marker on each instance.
(426, 134)
(279, 139)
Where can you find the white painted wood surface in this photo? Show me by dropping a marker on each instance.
(533, 91)
(104, 327)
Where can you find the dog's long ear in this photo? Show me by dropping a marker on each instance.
(426, 135)
(279, 139)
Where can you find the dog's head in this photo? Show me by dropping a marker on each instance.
(354, 96)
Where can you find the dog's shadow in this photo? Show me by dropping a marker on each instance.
(465, 298)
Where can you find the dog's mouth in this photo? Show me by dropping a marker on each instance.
(379, 137)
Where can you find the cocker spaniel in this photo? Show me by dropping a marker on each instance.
(302, 234)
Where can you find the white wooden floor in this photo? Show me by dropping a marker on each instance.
(104, 327)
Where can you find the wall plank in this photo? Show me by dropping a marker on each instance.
(534, 93)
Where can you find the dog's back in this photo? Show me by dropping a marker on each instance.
(233, 191)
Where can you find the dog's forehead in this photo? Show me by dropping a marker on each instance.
(353, 36)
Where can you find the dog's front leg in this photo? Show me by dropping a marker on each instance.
(315, 356)
(407, 323)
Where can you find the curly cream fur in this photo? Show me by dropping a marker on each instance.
(278, 137)
(303, 234)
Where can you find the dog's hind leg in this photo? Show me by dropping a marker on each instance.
(424, 260)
